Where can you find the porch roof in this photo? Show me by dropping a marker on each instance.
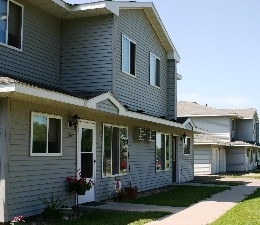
(14, 87)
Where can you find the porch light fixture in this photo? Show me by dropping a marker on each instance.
(73, 121)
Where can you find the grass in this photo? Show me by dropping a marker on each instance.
(179, 196)
(99, 217)
(246, 212)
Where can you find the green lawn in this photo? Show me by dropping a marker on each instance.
(179, 196)
(246, 212)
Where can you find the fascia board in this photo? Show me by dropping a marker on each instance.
(62, 4)
(140, 116)
(41, 93)
(5, 88)
(211, 115)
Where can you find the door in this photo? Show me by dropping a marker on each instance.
(215, 161)
(86, 156)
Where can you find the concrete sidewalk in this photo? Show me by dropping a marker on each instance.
(201, 213)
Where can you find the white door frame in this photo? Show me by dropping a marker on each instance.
(90, 195)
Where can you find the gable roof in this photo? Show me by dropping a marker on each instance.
(248, 113)
(63, 10)
(193, 109)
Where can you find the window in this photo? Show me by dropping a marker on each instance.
(46, 133)
(162, 151)
(115, 150)
(154, 70)
(128, 56)
(11, 23)
(186, 146)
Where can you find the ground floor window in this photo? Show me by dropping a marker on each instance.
(186, 146)
(46, 133)
(162, 151)
(115, 150)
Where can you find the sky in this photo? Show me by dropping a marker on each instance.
(219, 45)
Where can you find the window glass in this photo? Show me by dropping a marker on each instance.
(123, 150)
(154, 70)
(162, 151)
(46, 135)
(11, 19)
(3, 20)
(54, 135)
(186, 146)
(14, 25)
(128, 56)
(39, 134)
(115, 150)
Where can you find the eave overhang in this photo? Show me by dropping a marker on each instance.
(25, 90)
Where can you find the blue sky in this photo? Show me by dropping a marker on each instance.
(219, 45)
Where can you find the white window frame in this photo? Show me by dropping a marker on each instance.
(184, 145)
(103, 145)
(129, 56)
(47, 116)
(153, 67)
(22, 25)
(165, 155)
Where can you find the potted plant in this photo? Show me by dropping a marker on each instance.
(79, 184)
(131, 192)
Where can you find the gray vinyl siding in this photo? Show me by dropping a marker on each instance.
(245, 130)
(142, 167)
(39, 60)
(218, 127)
(136, 92)
(33, 177)
(172, 90)
(186, 163)
(107, 106)
(86, 62)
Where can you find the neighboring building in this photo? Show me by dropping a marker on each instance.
(90, 87)
(232, 141)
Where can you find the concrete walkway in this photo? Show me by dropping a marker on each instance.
(201, 213)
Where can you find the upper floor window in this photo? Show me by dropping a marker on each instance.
(154, 70)
(115, 150)
(186, 146)
(128, 56)
(46, 133)
(11, 23)
(162, 151)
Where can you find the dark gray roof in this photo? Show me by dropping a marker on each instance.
(79, 94)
